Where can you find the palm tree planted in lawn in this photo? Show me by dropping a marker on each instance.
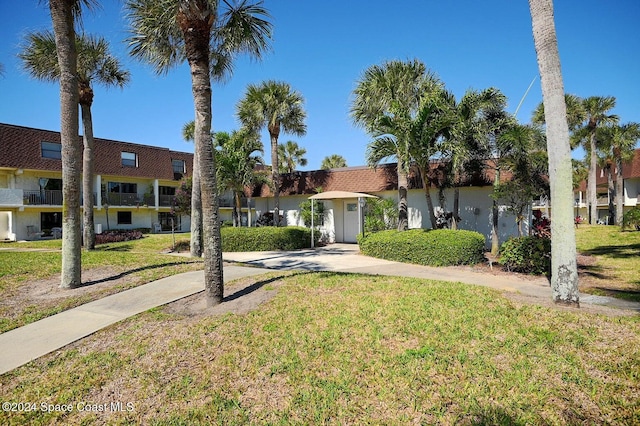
(207, 34)
(195, 244)
(63, 15)
(95, 64)
(596, 109)
(291, 155)
(386, 100)
(618, 145)
(279, 108)
(564, 268)
(333, 161)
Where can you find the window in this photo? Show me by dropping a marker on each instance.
(352, 207)
(129, 159)
(51, 150)
(167, 220)
(179, 169)
(124, 218)
(123, 187)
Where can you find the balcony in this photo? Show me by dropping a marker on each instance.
(230, 202)
(118, 199)
(42, 197)
(164, 200)
(11, 197)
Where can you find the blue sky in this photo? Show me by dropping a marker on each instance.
(322, 48)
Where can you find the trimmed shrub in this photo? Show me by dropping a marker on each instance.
(266, 238)
(631, 219)
(440, 247)
(530, 255)
(116, 236)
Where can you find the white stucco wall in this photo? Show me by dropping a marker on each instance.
(475, 212)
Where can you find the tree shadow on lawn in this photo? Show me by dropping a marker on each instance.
(131, 271)
(615, 251)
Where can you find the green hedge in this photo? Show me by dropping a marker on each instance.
(266, 238)
(530, 255)
(441, 247)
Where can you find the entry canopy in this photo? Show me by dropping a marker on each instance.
(332, 195)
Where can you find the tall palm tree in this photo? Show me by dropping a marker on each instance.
(236, 161)
(618, 146)
(207, 34)
(195, 244)
(95, 65)
(277, 107)
(333, 161)
(289, 155)
(386, 99)
(596, 109)
(564, 268)
(63, 15)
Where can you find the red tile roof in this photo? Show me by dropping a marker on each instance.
(20, 148)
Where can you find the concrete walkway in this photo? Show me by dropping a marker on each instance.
(21, 345)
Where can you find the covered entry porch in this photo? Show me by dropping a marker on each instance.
(348, 213)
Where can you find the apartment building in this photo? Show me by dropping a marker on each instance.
(134, 184)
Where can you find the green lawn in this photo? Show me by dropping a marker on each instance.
(348, 349)
(616, 271)
(140, 260)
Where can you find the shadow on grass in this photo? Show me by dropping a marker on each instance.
(132, 271)
(258, 285)
(615, 251)
(595, 271)
(121, 248)
(622, 294)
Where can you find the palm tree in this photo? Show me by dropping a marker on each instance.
(433, 123)
(207, 35)
(619, 142)
(480, 115)
(95, 65)
(277, 107)
(522, 153)
(564, 268)
(386, 99)
(596, 109)
(333, 161)
(236, 162)
(63, 15)
(290, 155)
(195, 244)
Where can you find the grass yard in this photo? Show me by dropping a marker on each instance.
(346, 349)
(614, 269)
(29, 280)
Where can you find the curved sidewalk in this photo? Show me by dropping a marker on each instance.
(21, 345)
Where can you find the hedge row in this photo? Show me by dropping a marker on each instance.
(266, 238)
(441, 247)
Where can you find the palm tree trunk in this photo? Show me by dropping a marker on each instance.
(403, 210)
(195, 246)
(426, 185)
(456, 208)
(89, 234)
(238, 208)
(619, 193)
(62, 18)
(611, 190)
(195, 24)
(564, 270)
(495, 242)
(592, 192)
(275, 177)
